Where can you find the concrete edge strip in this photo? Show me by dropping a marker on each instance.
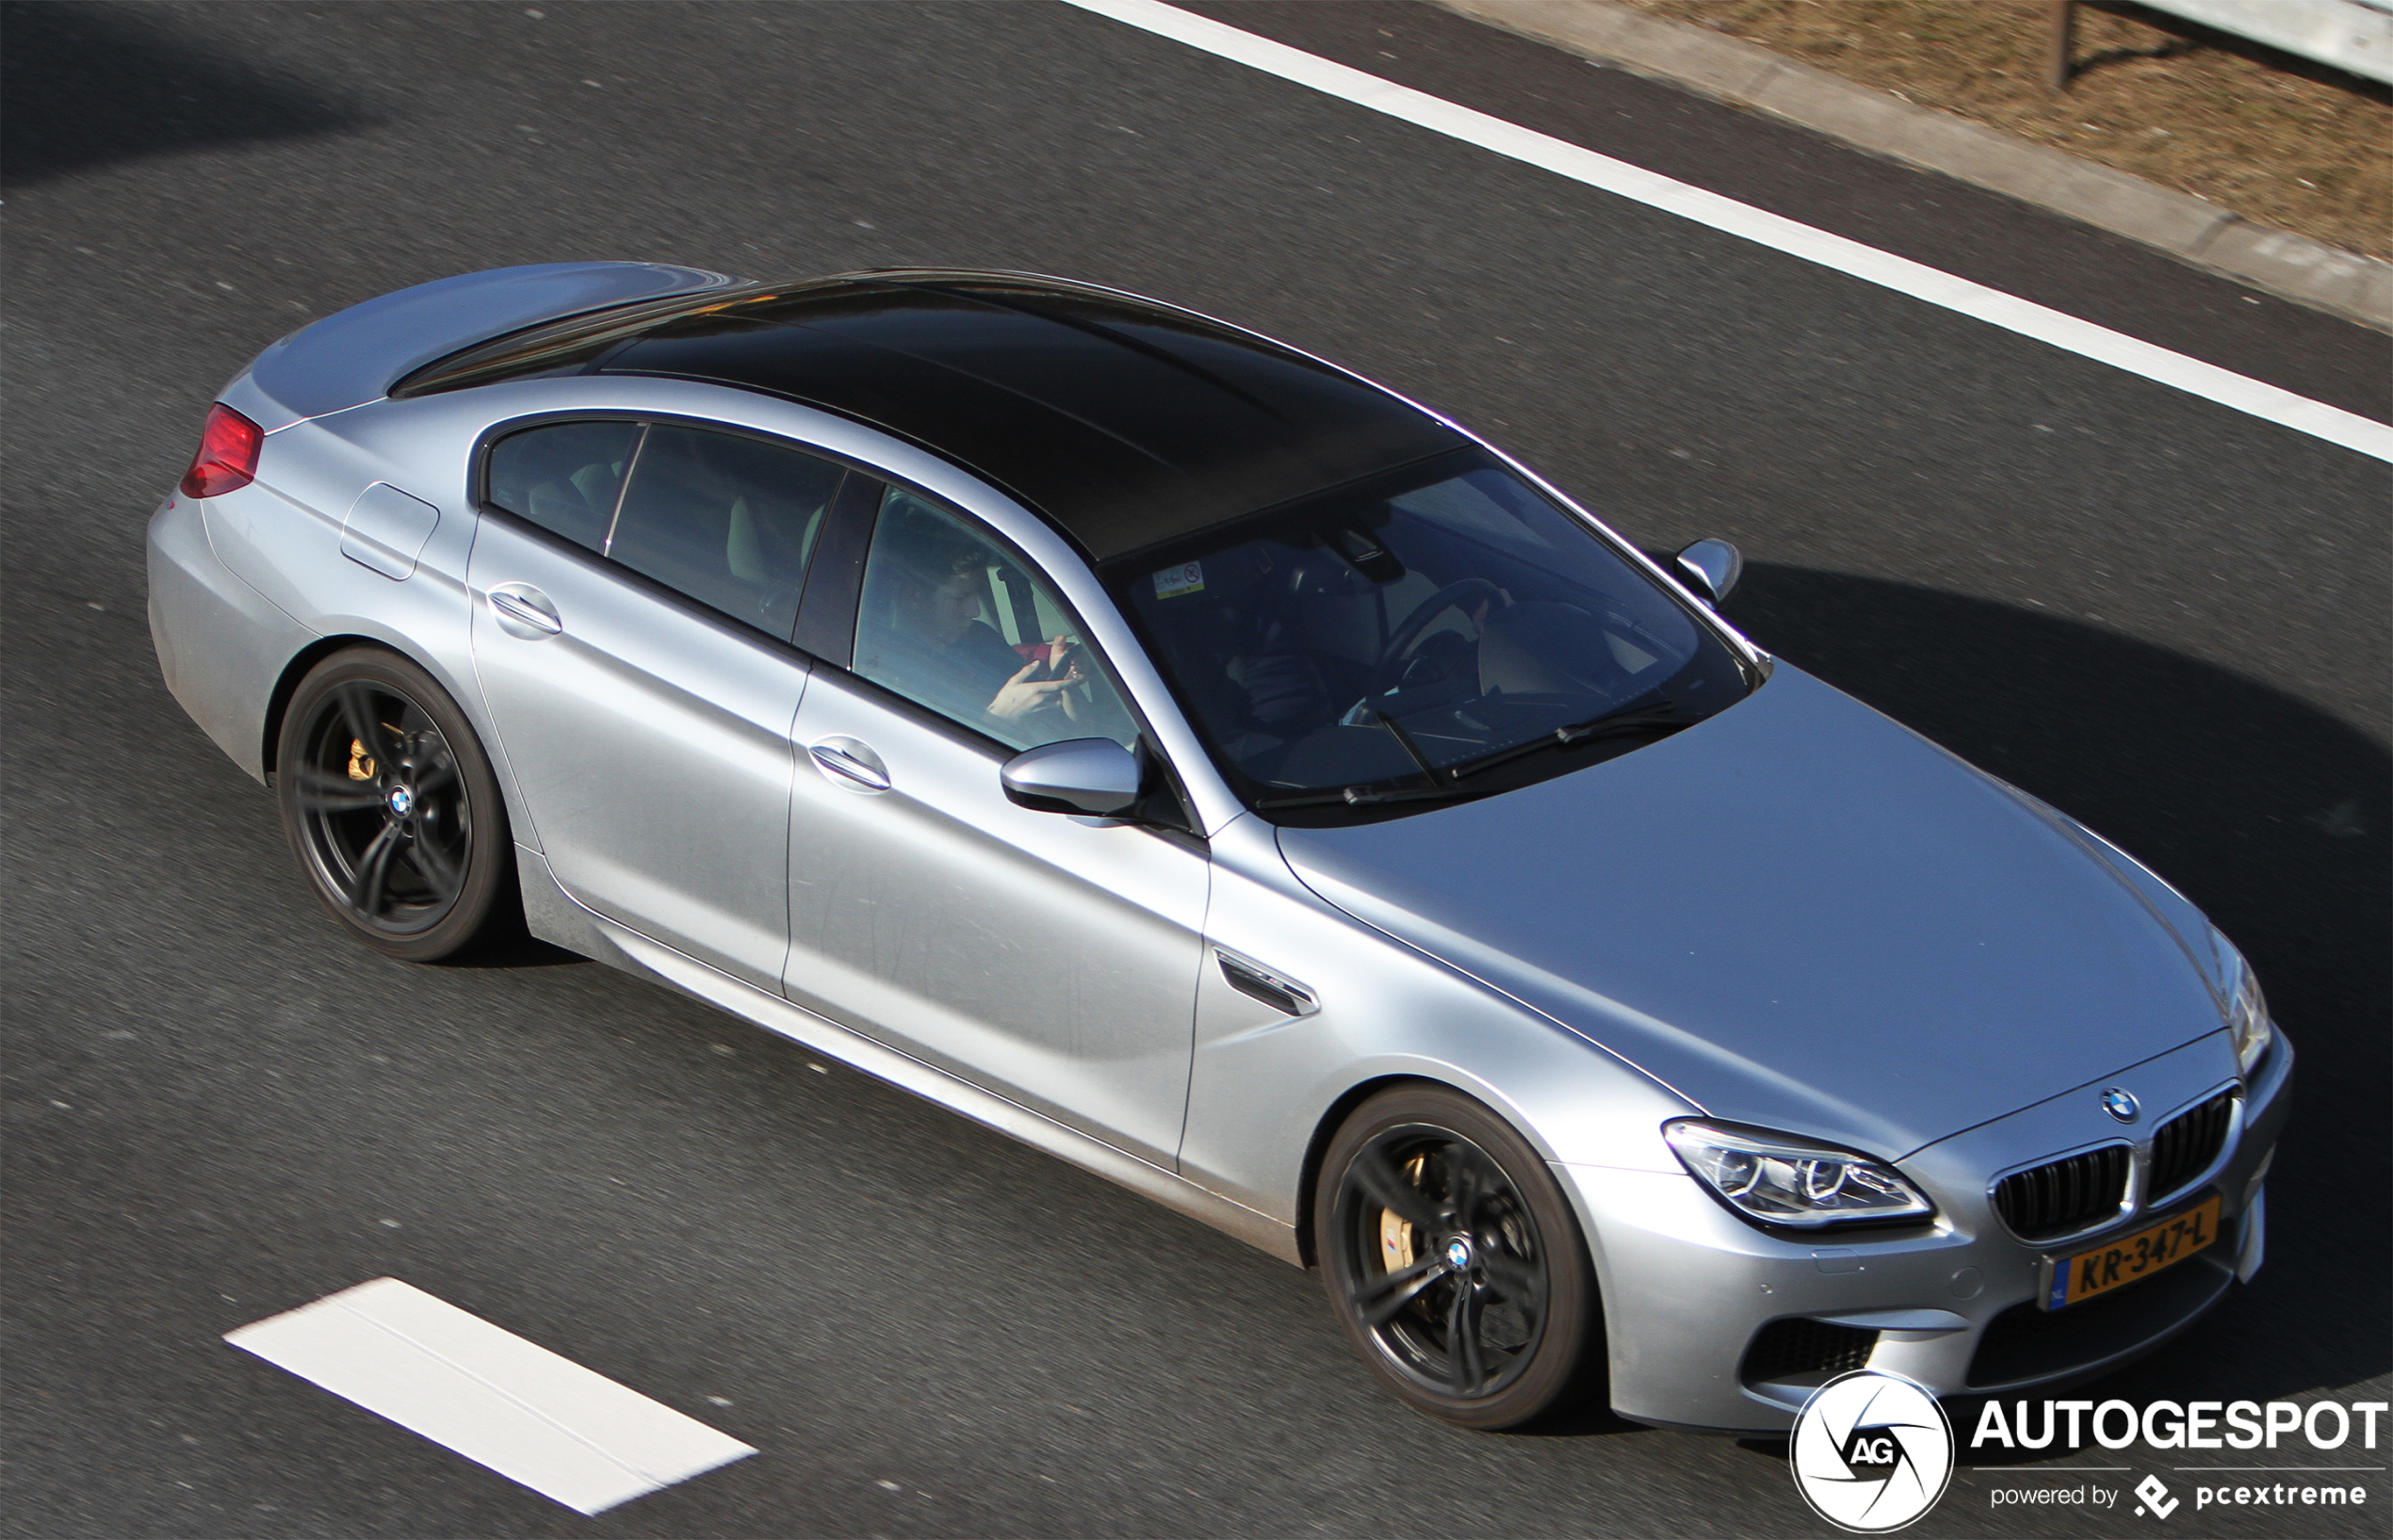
(2258, 398)
(2296, 267)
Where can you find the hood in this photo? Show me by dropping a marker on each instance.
(1798, 913)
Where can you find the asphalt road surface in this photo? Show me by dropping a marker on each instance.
(2166, 617)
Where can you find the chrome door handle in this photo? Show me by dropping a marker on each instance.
(852, 763)
(526, 609)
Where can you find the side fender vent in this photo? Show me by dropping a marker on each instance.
(1258, 982)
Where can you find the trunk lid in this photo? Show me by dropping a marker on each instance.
(354, 355)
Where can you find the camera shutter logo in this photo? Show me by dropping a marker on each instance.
(1871, 1452)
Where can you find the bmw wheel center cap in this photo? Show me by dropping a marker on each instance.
(1458, 1253)
(402, 802)
(2119, 1103)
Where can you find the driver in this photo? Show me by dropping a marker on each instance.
(936, 607)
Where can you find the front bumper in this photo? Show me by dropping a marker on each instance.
(1712, 1323)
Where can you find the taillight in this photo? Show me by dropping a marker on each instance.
(228, 454)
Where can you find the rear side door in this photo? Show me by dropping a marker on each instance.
(1050, 959)
(634, 584)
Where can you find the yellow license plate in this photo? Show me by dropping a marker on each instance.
(2138, 1255)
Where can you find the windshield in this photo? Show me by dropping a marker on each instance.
(1392, 639)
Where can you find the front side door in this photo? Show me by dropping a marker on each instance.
(1050, 959)
(628, 594)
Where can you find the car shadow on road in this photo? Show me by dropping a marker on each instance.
(518, 950)
(2267, 811)
(2270, 813)
(83, 86)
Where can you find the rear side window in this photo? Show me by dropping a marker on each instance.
(727, 520)
(564, 478)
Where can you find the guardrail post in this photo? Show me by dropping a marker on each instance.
(2061, 41)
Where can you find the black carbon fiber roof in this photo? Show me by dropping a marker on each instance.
(1127, 423)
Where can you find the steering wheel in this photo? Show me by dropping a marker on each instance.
(1465, 595)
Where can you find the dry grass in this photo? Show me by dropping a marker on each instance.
(2302, 150)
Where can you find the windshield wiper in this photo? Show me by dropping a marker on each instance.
(1367, 797)
(1661, 717)
(1413, 749)
(1363, 796)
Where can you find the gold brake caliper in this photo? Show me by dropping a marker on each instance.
(1395, 1233)
(361, 764)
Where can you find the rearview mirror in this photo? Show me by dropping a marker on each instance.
(1090, 775)
(1710, 568)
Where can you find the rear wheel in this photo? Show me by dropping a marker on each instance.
(1452, 1259)
(392, 808)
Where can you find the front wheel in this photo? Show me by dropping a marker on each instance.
(1452, 1259)
(391, 807)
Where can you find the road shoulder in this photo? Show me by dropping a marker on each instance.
(1740, 74)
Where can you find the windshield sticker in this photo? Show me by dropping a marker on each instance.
(1188, 577)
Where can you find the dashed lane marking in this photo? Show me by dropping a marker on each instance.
(2272, 403)
(535, 1418)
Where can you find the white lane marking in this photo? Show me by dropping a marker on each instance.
(2212, 384)
(534, 1417)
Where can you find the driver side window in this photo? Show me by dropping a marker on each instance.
(953, 621)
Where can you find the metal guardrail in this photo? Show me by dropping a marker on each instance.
(2352, 35)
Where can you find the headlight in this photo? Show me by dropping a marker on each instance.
(2247, 1010)
(1779, 1179)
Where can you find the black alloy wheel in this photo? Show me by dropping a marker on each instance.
(391, 807)
(1452, 1259)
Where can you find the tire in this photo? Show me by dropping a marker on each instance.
(1419, 1179)
(391, 807)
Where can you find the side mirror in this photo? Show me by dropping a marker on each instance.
(1710, 568)
(1087, 775)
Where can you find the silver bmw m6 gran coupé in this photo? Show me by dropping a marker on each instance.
(1210, 767)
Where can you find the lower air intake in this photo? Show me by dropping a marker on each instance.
(1801, 1350)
